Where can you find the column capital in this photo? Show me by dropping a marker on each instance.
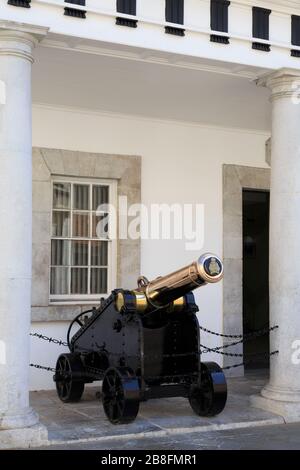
(19, 39)
(283, 83)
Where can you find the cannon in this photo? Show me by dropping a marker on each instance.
(145, 343)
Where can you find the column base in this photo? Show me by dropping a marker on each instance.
(34, 436)
(24, 418)
(290, 411)
(22, 430)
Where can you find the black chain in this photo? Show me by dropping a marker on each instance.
(49, 339)
(243, 338)
(247, 363)
(96, 373)
(206, 349)
(254, 334)
(37, 366)
(217, 351)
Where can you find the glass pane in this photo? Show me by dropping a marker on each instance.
(81, 224)
(81, 197)
(79, 280)
(99, 253)
(100, 226)
(98, 281)
(100, 196)
(59, 252)
(59, 281)
(61, 195)
(60, 224)
(80, 253)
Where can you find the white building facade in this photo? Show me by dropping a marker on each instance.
(159, 103)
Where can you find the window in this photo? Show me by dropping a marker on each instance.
(74, 11)
(219, 20)
(127, 7)
(174, 14)
(295, 35)
(260, 18)
(82, 252)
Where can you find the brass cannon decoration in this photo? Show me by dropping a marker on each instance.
(144, 343)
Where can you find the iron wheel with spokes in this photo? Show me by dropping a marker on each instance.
(69, 387)
(120, 395)
(209, 397)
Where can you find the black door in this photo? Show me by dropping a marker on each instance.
(256, 276)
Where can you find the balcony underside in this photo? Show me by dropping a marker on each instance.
(149, 84)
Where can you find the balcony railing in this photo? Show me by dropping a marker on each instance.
(171, 15)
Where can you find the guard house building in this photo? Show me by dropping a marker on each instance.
(161, 102)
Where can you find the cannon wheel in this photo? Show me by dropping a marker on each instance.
(69, 387)
(209, 397)
(120, 395)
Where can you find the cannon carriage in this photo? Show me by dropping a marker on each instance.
(145, 344)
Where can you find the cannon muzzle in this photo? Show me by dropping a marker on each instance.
(162, 291)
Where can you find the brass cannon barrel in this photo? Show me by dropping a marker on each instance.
(164, 290)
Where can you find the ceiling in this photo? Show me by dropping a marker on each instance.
(147, 86)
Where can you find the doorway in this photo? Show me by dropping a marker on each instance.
(256, 208)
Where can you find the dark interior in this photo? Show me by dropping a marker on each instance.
(256, 276)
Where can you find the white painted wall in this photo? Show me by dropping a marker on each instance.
(181, 163)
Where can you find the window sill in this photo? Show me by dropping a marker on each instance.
(175, 31)
(126, 22)
(295, 53)
(259, 46)
(74, 13)
(219, 39)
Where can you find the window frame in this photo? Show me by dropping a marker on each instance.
(128, 7)
(68, 299)
(170, 15)
(261, 23)
(295, 27)
(219, 15)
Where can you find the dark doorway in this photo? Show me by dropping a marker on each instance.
(256, 206)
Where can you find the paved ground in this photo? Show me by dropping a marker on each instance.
(166, 423)
(278, 437)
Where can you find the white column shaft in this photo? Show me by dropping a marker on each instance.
(285, 244)
(16, 228)
(282, 394)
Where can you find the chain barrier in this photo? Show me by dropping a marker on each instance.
(243, 338)
(247, 363)
(204, 350)
(97, 373)
(38, 366)
(49, 339)
(253, 334)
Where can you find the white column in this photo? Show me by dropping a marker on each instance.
(18, 422)
(282, 394)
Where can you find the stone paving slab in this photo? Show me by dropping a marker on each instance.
(85, 421)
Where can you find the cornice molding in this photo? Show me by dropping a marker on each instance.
(19, 39)
(38, 32)
(150, 56)
(283, 83)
